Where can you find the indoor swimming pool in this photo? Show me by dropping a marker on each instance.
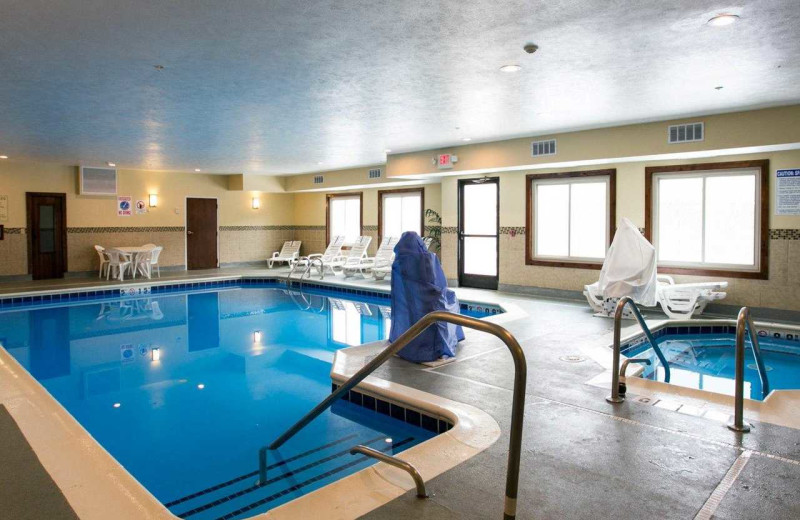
(184, 385)
(703, 358)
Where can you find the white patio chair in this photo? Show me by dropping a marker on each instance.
(101, 252)
(352, 257)
(154, 255)
(289, 253)
(118, 262)
(333, 252)
(383, 257)
(142, 263)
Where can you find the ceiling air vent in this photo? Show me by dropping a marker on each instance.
(539, 148)
(97, 181)
(375, 173)
(687, 133)
(317, 179)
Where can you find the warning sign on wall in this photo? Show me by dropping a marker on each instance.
(787, 196)
(124, 206)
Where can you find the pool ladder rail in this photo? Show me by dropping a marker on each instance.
(617, 396)
(517, 402)
(744, 328)
(397, 463)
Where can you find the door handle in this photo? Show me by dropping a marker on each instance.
(188, 232)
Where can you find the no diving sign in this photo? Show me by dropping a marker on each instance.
(787, 196)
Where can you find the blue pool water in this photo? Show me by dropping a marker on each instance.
(706, 362)
(189, 425)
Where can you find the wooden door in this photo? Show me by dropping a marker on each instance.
(201, 233)
(47, 235)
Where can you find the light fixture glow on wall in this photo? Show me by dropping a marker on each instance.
(256, 203)
(257, 336)
(153, 200)
(155, 353)
(3, 157)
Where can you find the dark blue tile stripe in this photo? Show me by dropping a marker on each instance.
(242, 492)
(308, 482)
(254, 473)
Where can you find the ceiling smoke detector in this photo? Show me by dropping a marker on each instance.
(530, 48)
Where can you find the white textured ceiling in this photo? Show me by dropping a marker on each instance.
(280, 86)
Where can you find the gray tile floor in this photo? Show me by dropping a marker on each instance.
(582, 457)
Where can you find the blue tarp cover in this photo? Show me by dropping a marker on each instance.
(419, 287)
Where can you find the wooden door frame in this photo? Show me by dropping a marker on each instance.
(381, 193)
(459, 230)
(186, 226)
(29, 219)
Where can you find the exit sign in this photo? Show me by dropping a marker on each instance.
(445, 161)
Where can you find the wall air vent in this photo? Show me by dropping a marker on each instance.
(687, 133)
(374, 173)
(318, 179)
(539, 148)
(100, 182)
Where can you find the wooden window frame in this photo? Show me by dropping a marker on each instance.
(611, 173)
(328, 197)
(381, 193)
(763, 167)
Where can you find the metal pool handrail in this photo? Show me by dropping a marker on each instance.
(615, 396)
(517, 403)
(397, 463)
(745, 324)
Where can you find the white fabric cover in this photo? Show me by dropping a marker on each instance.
(630, 267)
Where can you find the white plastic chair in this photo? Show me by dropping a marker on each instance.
(351, 259)
(142, 263)
(118, 261)
(154, 254)
(289, 253)
(101, 252)
(383, 257)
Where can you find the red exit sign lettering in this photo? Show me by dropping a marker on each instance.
(445, 161)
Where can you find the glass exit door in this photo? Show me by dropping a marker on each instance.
(478, 230)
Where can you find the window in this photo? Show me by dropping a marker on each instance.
(708, 218)
(570, 218)
(344, 217)
(399, 211)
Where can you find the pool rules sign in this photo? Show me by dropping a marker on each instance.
(787, 196)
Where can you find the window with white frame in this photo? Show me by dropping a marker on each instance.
(570, 217)
(344, 217)
(401, 210)
(707, 219)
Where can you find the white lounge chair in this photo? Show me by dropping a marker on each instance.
(383, 257)
(682, 300)
(351, 259)
(331, 254)
(289, 253)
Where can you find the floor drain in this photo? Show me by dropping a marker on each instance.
(573, 358)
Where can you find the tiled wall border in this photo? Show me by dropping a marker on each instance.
(256, 228)
(14, 230)
(397, 411)
(784, 234)
(148, 229)
(774, 234)
(369, 228)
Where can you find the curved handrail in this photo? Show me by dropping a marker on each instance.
(745, 324)
(397, 463)
(517, 402)
(615, 396)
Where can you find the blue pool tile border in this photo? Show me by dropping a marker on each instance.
(139, 291)
(397, 411)
(681, 330)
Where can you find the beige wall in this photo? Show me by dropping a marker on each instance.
(781, 290)
(93, 220)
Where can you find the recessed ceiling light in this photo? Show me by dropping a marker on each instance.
(197, 169)
(510, 68)
(3, 157)
(109, 163)
(722, 20)
(466, 139)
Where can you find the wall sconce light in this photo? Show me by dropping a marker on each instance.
(155, 353)
(153, 200)
(256, 203)
(257, 336)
